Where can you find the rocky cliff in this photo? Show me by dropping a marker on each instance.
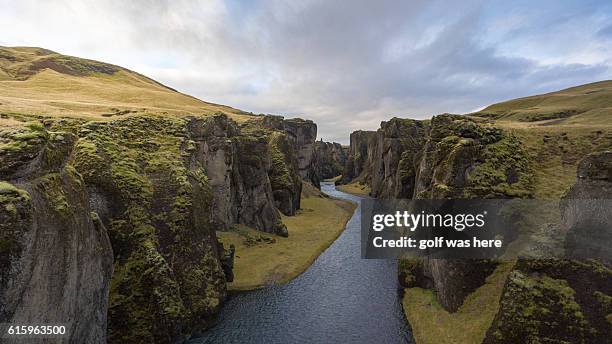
(55, 255)
(552, 300)
(397, 151)
(566, 300)
(331, 158)
(302, 135)
(357, 163)
(450, 156)
(140, 198)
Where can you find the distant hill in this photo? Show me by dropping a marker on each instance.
(586, 104)
(42, 82)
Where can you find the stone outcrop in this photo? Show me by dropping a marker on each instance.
(397, 150)
(331, 158)
(357, 163)
(140, 198)
(285, 181)
(587, 209)
(55, 256)
(448, 157)
(237, 164)
(303, 134)
(566, 300)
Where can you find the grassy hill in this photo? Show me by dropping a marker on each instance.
(35, 81)
(587, 104)
(558, 129)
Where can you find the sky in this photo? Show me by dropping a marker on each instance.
(347, 65)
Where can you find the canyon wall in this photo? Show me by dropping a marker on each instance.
(139, 198)
(450, 156)
(357, 163)
(331, 159)
(454, 157)
(566, 300)
(55, 256)
(303, 134)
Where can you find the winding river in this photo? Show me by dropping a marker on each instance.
(341, 298)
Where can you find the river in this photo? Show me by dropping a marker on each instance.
(341, 298)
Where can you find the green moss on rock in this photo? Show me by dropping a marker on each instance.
(15, 219)
(167, 279)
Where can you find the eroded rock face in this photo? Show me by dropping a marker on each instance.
(167, 278)
(237, 166)
(147, 192)
(284, 178)
(303, 134)
(462, 159)
(554, 301)
(397, 153)
(448, 157)
(55, 256)
(362, 144)
(331, 158)
(587, 209)
(566, 300)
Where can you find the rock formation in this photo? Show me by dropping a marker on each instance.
(566, 300)
(396, 154)
(587, 209)
(361, 144)
(331, 158)
(55, 256)
(140, 198)
(449, 157)
(303, 134)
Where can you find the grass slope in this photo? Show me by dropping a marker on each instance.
(432, 324)
(557, 129)
(35, 81)
(589, 104)
(355, 188)
(271, 259)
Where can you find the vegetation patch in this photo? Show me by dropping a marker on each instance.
(167, 274)
(431, 323)
(355, 188)
(320, 221)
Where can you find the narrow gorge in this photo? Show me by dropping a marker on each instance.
(474, 157)
(114, 222)
(133, 213)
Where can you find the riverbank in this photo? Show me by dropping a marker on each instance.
(432, 324)
(263, 259)
(355, 188)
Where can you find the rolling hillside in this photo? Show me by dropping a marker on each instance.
(588, 104)
(558, 129)
(35, 81)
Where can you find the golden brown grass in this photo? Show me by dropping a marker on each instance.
(556, 150)
(432, 324)
(66, 87)
(590, 104)
(311, 231)
(355, 188)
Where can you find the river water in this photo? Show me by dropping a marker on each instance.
(341, 298)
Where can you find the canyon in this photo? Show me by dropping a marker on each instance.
(109, 213)
(480, 156)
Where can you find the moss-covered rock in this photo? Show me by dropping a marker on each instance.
(395, 157)
(465, 160)
(331, 158)
(55, 264)
(167, 278)
(284, 178)
(15, 219)
(554, 301)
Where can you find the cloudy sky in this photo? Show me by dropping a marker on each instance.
(345, 64)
